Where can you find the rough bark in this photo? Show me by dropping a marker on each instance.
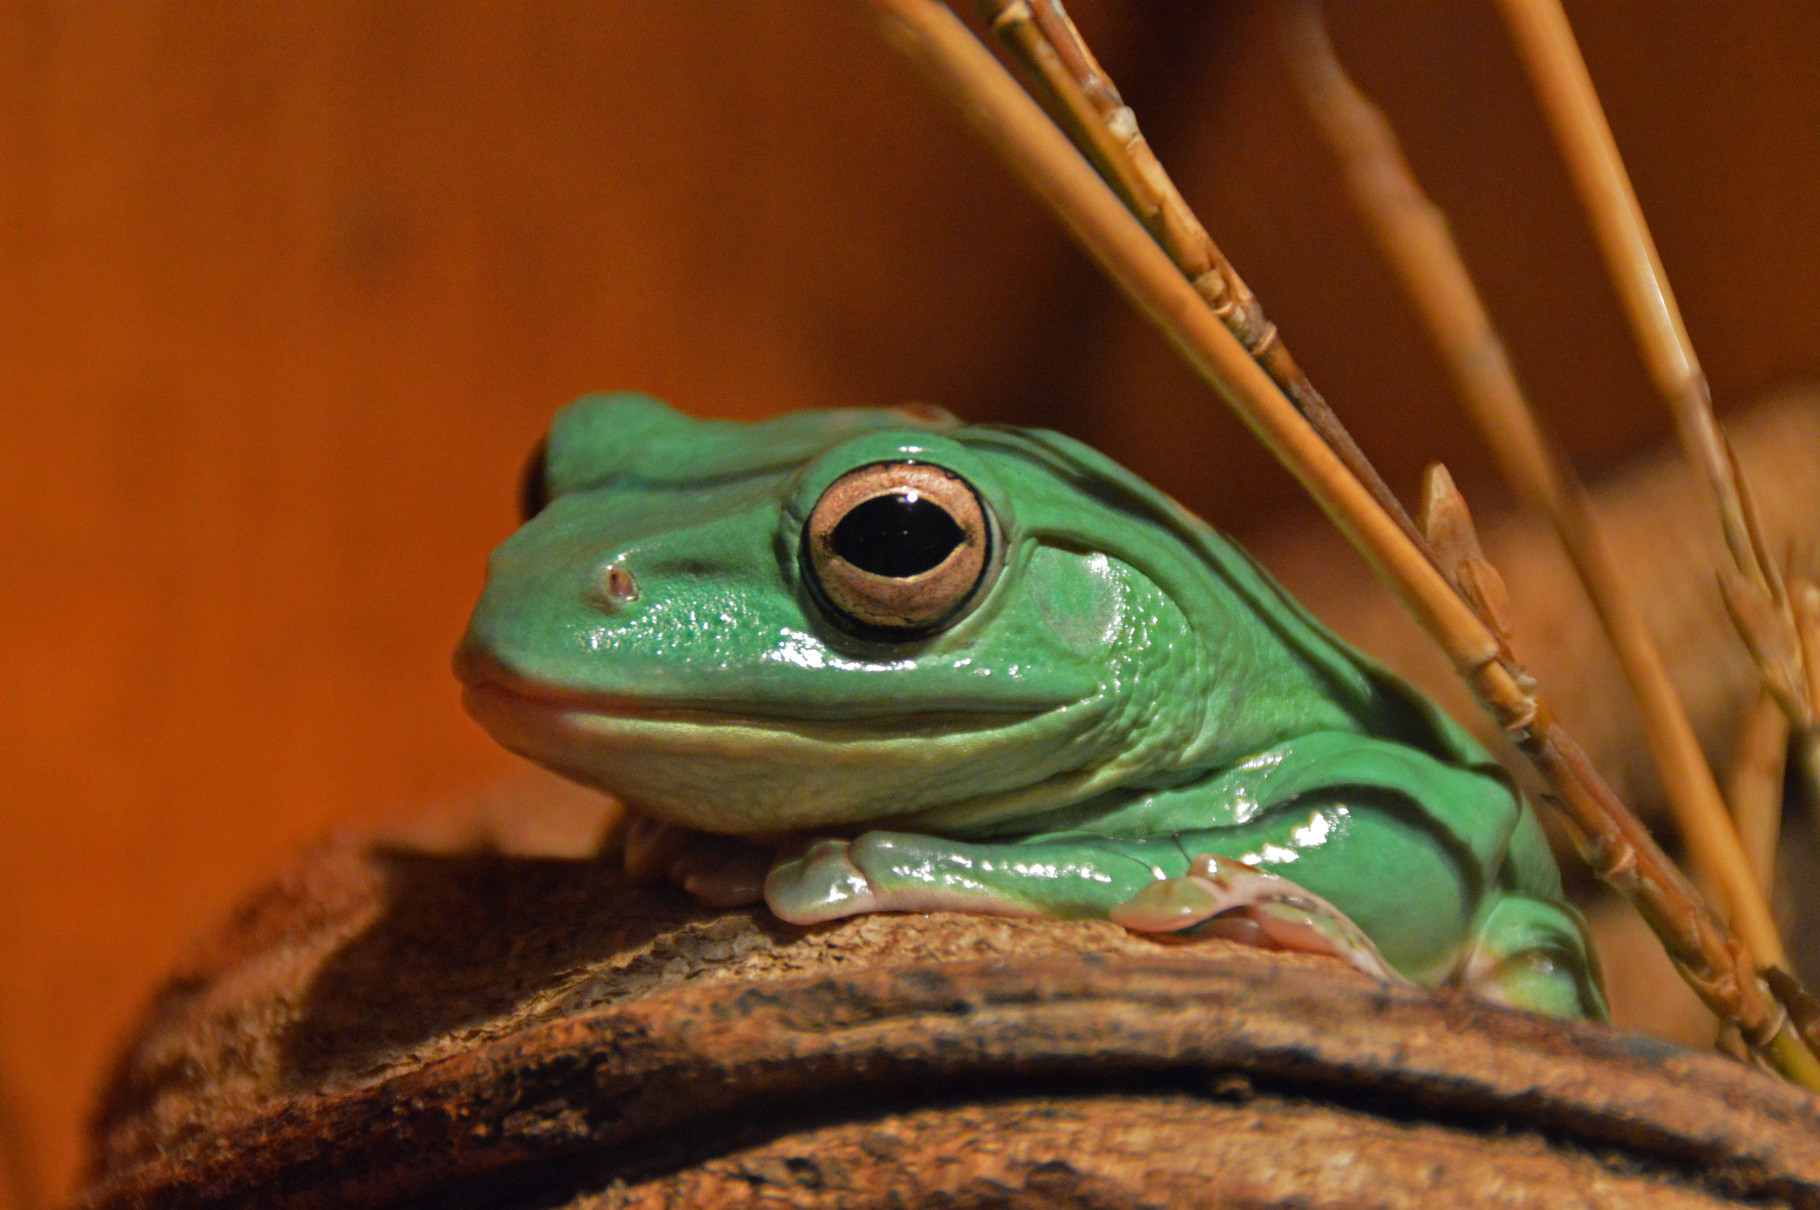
(393, 1025)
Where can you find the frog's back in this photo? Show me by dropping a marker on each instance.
(1380, 702)
(1375, 701)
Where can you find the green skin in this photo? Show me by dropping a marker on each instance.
(1124, 691)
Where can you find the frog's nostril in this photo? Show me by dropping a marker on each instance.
(614, 587)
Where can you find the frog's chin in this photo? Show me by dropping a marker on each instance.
(758, 774)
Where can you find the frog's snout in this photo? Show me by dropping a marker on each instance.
(612, 587)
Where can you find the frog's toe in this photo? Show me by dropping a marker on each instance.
(648, 848)
(820, 883)
(1169, 905)
(1220, 897)
(1213, 885)
(1314, 926)
(722, 872)
(894, 872)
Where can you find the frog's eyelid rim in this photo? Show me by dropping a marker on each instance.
(886, 606)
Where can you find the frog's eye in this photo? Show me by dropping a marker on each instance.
(897, 546)
(533, 486)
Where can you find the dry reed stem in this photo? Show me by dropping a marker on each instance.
(1804, 599)
(1413, 234)
(965, 74)
(1752, 583)
(1804, 595)
(1546, 44)
(1085, 102)
(1754, 787)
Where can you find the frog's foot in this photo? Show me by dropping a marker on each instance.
(1220, 897)
(648, 848)
(821, 882)
(910, 872)
(887, 872)
(718, 870)
(1534, 954)
(1074, 877)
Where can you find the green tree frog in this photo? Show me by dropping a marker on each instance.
(879, 660)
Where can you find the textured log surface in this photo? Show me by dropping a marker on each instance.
(390, 1026)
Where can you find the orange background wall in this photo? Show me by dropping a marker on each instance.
(287, 292)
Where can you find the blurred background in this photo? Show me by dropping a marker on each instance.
(287, 292)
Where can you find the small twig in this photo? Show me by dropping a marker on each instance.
(1413, 234)
(1754, 788)
(1454, 541)
(962, 71)
(1083, 100)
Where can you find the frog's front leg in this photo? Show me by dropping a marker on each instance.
(911, 872)
(1148, 885)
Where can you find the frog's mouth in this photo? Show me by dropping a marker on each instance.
(742, 770)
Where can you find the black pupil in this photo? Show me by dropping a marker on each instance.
(899, 535)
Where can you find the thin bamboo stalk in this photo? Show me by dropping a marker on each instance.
(962, 71)
(1552, 57)
(940, 46)
(1084, 101)
(1805, 597)
(1752, 583)
(1804, 604)
(1754, 787)
(1414, 236)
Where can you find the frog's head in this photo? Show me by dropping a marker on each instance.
(836, 618)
